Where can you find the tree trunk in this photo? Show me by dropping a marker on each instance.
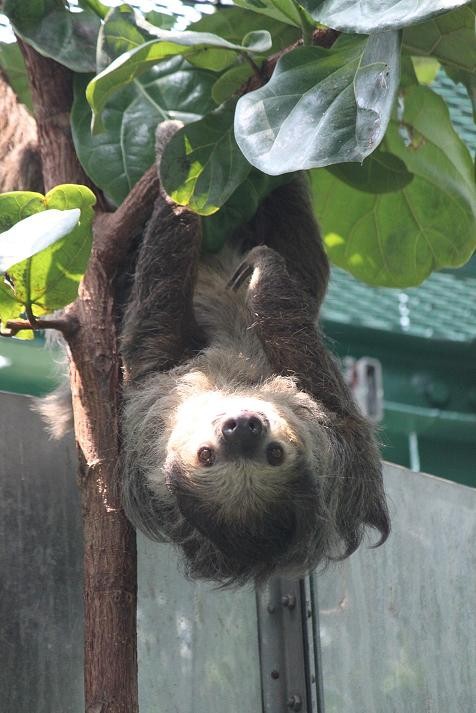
(20, 165)
(110, 585)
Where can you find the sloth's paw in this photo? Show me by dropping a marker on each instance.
(261, 258)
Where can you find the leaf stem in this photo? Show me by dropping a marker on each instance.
(253, 64)
(306, 26)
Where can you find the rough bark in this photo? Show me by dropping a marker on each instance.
(110, 585)
(20, 165)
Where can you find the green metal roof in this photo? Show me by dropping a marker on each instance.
(444, 307)
(459, 104)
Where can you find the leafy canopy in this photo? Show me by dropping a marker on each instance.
(392, 183)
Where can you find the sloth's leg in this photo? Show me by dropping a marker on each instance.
(159, 327)
(286, 223)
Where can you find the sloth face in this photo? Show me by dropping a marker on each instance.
(239, 468)
(248, 482)
(236, 451)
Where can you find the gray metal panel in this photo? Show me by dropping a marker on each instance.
(397, 624)
(283, 649)
(41, 625)
(198, 646)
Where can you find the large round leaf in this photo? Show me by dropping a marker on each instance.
(283, 10)
(49, 279)
(34, 234)
(367, 16)
(233, 23)
(397, 239)
(206, 49)
(68, 37)
(451, 39)
(239, 208)
(202, 165)
(381, 172)
(321, 106)
(116, 158)
(119, 33)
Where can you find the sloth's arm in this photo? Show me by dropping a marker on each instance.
(286, 223)
(159, 325)
(284, 321)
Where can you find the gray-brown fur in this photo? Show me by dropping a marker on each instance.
(217, 341)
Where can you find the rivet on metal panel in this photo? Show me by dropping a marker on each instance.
(275, 674)
(288, 601)
(295, 702)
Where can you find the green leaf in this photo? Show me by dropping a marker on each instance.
(426, 69)
(321, 106)
(13, 65)
(283, 10)
(34, 234)
(9, 306)
(198, 46)
(381, 172)
(116, 158)
(67, 37)
(96, 6)
(49, 279)
(230, 81)
(118, 34)
(233, 23)
(397, 239)
(202, 165)
(239, 208)
(366, 16)
(160, 19)
(449, 38)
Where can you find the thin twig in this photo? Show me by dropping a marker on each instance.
(65, 326)
(321, 37)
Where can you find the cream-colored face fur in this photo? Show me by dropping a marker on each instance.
(238, 484)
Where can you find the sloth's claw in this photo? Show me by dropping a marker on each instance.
(242, 273)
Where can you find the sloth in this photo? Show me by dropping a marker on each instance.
(242, 444)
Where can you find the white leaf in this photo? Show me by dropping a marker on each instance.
(35, 233)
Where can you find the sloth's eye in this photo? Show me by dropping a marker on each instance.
(206, 456)
(275, 454)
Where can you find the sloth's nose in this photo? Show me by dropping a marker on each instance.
(243, 432)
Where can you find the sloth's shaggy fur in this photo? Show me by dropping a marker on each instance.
(208, 340)
(199, 349)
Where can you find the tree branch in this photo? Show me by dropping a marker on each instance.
(19, 157)
(66, 326)
(113, 231)
(110, 582)
(58, 156)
